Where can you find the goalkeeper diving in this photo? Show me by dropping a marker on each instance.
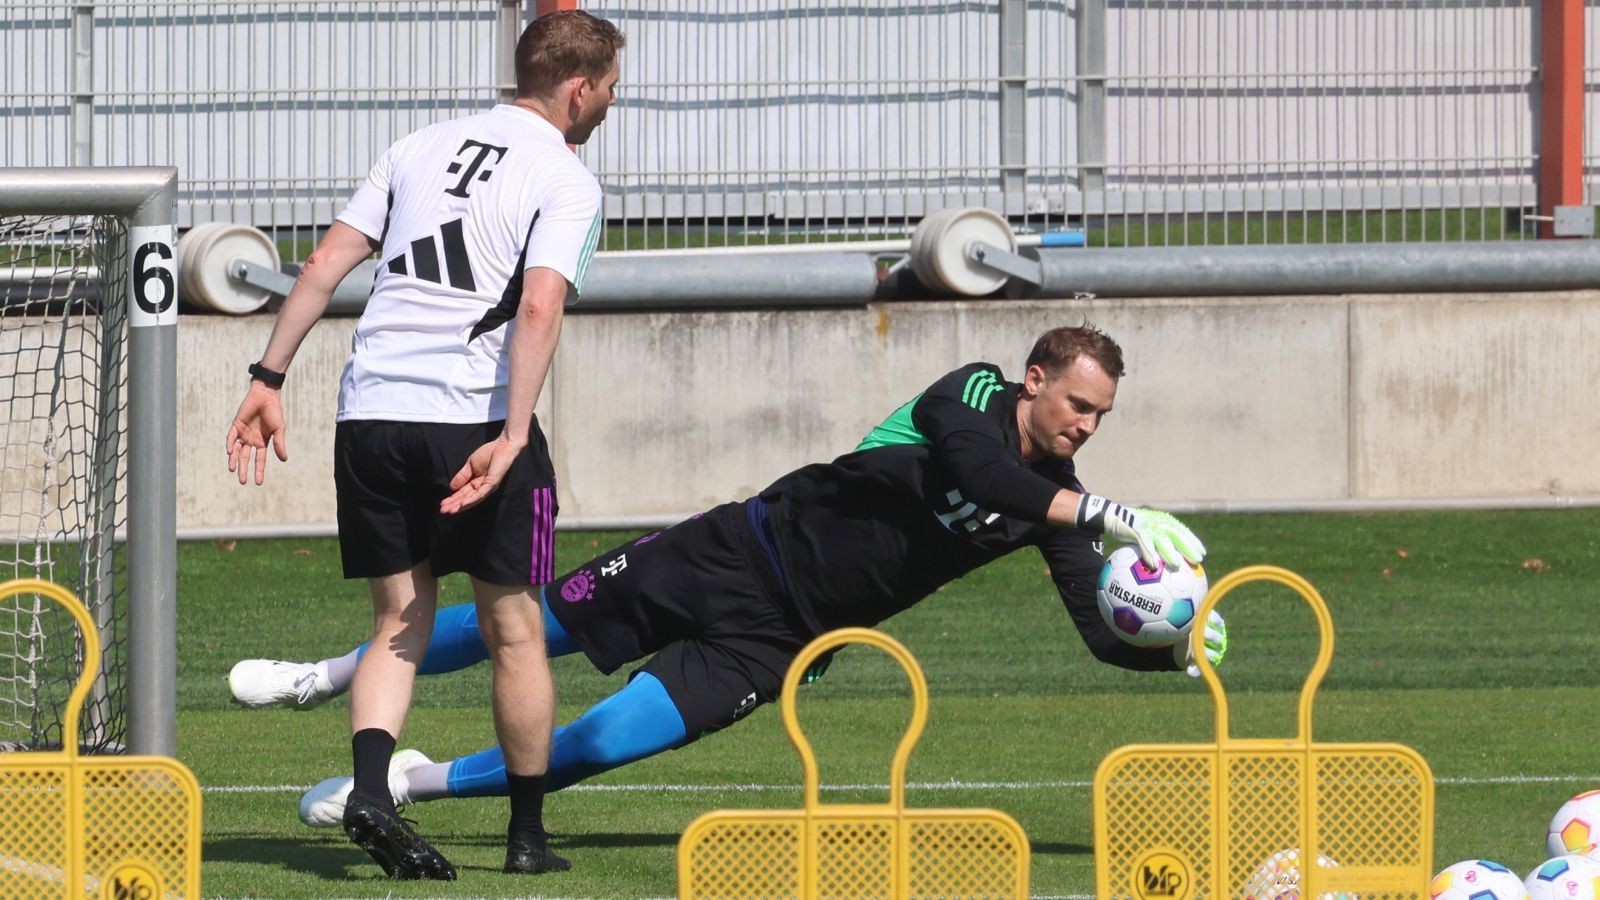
(720, 604)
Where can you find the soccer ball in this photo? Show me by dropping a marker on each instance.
(1576, 827)
(1279, 878)
(1149, 607)
(1565, 878)
(1477, 879)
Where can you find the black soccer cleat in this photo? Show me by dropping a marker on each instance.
(392, 843)
(533, 857)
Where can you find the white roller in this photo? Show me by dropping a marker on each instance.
(939, 249)
(206, 255)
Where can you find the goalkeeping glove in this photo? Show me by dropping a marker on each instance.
(1158, 535)
(818, 667)
(1216, 641)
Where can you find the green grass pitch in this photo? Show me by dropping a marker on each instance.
(1469, 636)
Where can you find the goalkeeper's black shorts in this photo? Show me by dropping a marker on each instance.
(704, 599)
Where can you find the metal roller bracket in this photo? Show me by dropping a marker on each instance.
(1574, 221)
(257, 275)
(1002, 260)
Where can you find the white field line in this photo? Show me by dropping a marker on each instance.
(953, 785)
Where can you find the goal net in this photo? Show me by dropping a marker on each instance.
(63, 427)
(81, 270)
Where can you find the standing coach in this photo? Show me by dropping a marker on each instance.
(484, 226)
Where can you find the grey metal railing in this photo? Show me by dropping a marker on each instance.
(760, 121)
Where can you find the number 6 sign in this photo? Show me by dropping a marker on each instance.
(152, 276)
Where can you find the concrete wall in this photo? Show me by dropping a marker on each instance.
(1226, 400)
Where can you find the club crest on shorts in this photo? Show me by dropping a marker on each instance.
(579, 587)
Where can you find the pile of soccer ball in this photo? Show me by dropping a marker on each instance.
(1571, 873)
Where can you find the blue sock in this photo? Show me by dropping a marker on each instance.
(634, 723)
(457, 644)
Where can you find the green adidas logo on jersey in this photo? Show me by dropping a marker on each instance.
(980, 387)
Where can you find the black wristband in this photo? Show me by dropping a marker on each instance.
(266, 376)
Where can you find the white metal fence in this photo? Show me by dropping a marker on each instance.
(1161, 119)
(273, 111)
(1147, 121)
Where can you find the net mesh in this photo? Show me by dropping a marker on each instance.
(946, 853)
(1370, 806)
(63, 354)
(133, 809)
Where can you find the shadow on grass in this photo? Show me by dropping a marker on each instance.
(1052, 849)
(614, 839)
(326, 859)
(567, 841)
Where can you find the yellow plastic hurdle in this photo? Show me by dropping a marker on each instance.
(854, 850)
(110, 827)
(1241, 818)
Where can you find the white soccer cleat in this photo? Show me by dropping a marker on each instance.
(258, 683)
(323, 805)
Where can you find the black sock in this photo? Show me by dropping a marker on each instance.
(527, 807)
(372, 748)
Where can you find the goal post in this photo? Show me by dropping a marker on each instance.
(97, 244)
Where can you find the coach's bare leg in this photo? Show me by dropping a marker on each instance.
(380, 697)
(523, 695)
(402, 613)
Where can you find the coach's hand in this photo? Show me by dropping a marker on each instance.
(1158, 535)
(258, 422)
(480, 477)
(1216, 641)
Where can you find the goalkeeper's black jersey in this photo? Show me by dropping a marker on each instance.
(936, 490)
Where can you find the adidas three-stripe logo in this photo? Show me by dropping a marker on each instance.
(424, 255)
(980, 387)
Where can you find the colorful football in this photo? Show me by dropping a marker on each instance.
(1576, 827)
(1149, 607)
(1477, 879)
(1565, 878)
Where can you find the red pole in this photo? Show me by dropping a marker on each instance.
(1560, 109)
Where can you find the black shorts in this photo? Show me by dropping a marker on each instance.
(703, 595)
(390, 478)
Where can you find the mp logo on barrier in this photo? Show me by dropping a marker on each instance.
(1162, 875)
(132, 881)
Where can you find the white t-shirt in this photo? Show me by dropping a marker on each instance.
(462, 208)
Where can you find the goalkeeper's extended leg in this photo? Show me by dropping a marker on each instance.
(455, 644)
(636, 722)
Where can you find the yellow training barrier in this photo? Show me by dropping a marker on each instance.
(854, 850)
(114, 828)
(1242, 818)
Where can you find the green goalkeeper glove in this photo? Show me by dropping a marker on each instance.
(1216, 641)
(818, 667)
(1158, 535)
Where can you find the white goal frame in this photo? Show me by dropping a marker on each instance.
(146, 199)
